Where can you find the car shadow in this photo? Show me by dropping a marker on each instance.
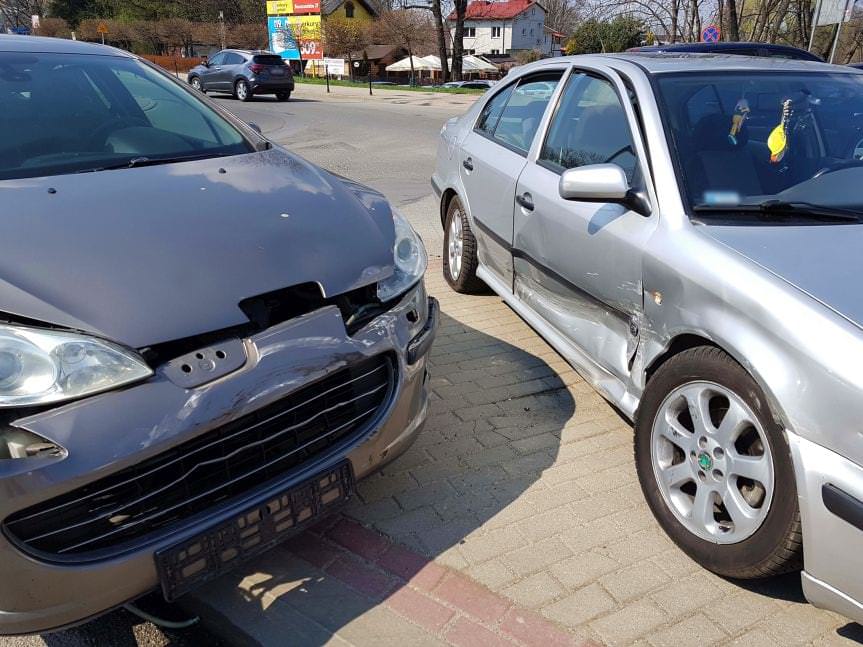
(497, 413)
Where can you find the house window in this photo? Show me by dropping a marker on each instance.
(495, 51)
(495, 32)
(470, 32)
(349, 10)
(523, 31)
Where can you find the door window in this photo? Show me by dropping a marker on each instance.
(524, 109)
(492, 111)
(589, 127)
(218, 59)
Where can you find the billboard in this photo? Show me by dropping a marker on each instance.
(835, 11)
(285, 7)
(291, 36)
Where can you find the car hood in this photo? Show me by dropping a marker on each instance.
(160, 253)
(822, 260)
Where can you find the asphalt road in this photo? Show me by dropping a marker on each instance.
(387, 142)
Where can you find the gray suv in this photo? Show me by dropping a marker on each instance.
(244, 74)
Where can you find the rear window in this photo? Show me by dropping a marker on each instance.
(269, 59)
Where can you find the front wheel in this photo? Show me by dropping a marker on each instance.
(283, 96)
(242, 91)
(196, 83)
(715, 467)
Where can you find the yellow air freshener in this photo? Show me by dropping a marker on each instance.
(777, 141)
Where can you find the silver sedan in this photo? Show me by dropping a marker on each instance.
(686, 231)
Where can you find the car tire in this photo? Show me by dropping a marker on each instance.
(195, 82)
(283, 96)
(748, 528)
(460, 259)
(242, 91)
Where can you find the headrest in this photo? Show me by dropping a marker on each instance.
(711, 133)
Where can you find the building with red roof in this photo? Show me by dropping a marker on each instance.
(506, 27)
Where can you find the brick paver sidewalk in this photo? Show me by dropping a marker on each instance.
(516, 518)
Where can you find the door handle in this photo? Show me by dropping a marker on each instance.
(525, 200)
(468, 164)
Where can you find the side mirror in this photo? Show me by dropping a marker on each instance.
(205, 62)
(601, 183)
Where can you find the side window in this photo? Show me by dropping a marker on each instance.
(218, 59)
(232, 58)
(589, 127)
(520, 118)
(492, 111)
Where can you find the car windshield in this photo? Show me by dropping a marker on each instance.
(63, 113)
(767, 139)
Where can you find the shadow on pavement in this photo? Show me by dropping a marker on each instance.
(461, 474)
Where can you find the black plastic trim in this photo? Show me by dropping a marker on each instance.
(421, 344)
(843, 505)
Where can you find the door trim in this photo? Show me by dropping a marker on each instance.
(609, 386)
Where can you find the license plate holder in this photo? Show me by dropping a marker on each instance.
(188, 564)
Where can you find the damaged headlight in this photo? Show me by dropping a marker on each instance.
(42, 366)
(409, 258)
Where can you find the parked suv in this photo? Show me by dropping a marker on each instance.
(686, 232)
(244, 74)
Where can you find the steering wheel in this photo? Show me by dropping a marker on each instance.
(97, 138)
(838, 166)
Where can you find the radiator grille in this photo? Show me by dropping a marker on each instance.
(110, 514)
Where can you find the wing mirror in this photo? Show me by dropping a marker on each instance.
(601, 183)
(205, 62)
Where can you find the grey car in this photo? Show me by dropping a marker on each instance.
(686, 232)
(244, 74)
(204, 341)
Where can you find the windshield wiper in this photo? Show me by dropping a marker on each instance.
(781, 209)
(137, 162)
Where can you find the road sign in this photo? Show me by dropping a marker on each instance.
(102, 28)
(710, 34)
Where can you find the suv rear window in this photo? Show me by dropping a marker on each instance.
(268, 59)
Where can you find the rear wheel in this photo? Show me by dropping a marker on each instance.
(283, 96)
(242, 91)
(460, 254)
(715, 467)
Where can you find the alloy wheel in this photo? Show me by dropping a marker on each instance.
(196, 83)
(712, 462)
(242, 90)
(456, 246)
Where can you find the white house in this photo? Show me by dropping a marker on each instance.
(506, 27)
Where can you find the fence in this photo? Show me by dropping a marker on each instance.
(174, 63)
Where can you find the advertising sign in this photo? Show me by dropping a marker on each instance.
(285, 7)
(834, 11)
(291, 36)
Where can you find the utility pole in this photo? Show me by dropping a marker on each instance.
(815, 18)
(838, 32)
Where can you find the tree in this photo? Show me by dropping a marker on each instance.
(17, 13)
(617, 35)
(408, 28)
(345, 36)
(460, 8)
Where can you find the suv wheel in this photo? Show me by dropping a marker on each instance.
(283, 96)
(716, 469)
(196, 83)
(459, 251)
(242, 91)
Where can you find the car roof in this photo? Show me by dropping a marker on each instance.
(668, 62)
(727, 45)
(42, 45)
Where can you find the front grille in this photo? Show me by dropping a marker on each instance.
(113, 513)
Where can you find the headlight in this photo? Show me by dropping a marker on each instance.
(42, 366)
(409, 258)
